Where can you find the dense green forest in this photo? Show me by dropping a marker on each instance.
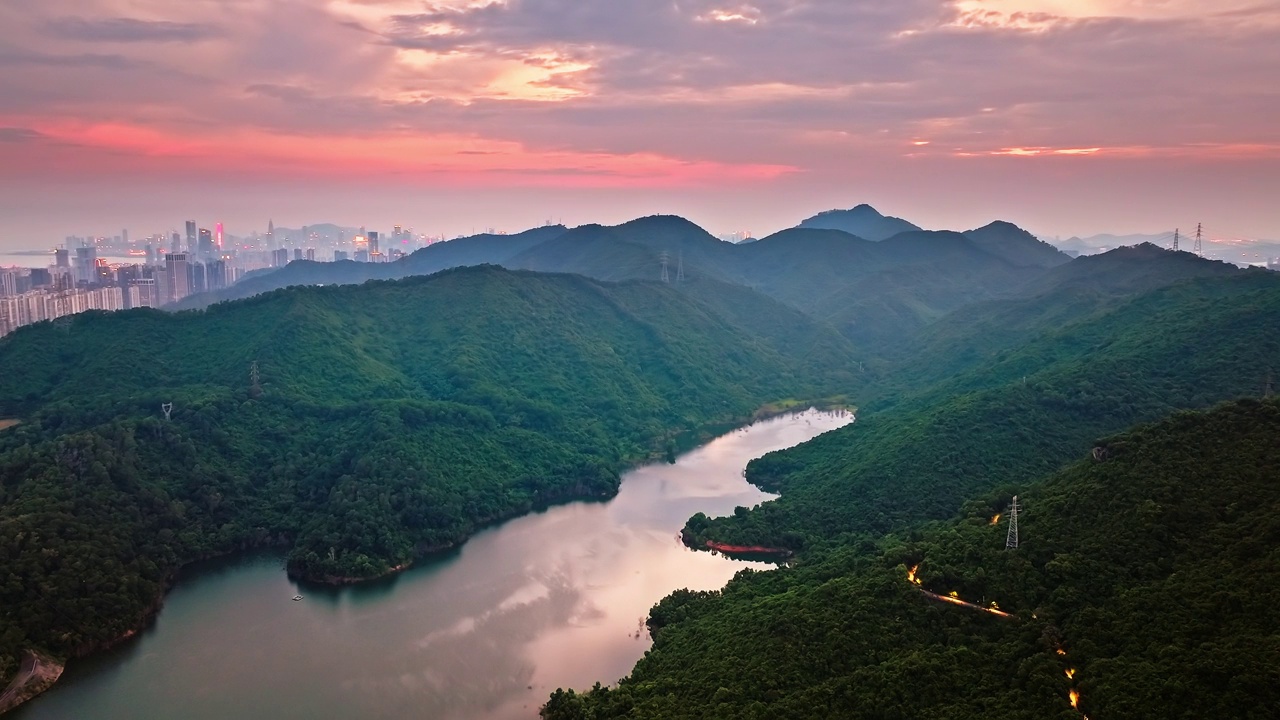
(1144, 582)
(1001, 393)
(387, 420)
(1016, 413)
(361, 426)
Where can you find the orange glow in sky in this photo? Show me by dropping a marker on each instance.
(1052, 114)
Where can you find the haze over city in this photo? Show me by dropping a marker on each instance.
(1063, 117)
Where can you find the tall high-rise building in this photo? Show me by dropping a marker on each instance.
(205, 247)
(86, 265)
(178, 275)
(215, 274)
(124, 236)
(8, 283)
(198, 283)
(373, 242)
(163, 294)
(191, 237)
(217, 236)
(62, 258)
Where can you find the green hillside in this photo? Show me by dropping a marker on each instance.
(874, 292)
(1143, 583)
(986, 331)
(1016, 245)
(461, 252)
(920, 452)
(390, 419)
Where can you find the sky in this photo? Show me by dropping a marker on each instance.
(1063, 116)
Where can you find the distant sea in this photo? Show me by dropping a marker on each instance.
(44, 258)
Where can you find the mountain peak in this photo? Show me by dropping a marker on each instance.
(1012, 243)
(663, 222)
(862, 220)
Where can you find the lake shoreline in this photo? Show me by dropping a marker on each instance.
(656, 455)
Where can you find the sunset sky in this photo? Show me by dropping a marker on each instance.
(1064, 116)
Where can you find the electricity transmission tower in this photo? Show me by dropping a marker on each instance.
(167, 408)
(1199, 247)
(1176, 237)
(255, 387)
(680, 268)
(665, 258)
(1011, 543)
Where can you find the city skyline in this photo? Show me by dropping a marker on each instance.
(1066, 118)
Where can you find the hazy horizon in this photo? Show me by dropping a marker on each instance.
(716, 223)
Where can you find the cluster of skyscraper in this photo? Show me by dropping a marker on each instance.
(174, 266)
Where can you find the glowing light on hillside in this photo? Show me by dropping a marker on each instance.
(995, 519)
(1075, 699)
(911, 575)
(1071, 673)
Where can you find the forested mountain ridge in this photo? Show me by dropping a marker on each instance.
(1143, 585)
(475, 250)
(984, 332)
(917, 452)
(1016, 245)
(385, 420)
(863, 221)
(871, 291)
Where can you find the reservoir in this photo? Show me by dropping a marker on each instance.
(553, 599)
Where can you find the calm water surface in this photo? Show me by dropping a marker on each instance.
(32, 259)
(555, 599)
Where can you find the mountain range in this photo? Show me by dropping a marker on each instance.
(361, 416)
(869, 289)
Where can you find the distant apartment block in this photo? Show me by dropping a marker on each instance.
(38, 305)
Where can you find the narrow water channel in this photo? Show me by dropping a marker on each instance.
(555, 599)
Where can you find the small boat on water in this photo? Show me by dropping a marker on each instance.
(296, 598)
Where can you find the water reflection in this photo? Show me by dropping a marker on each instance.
(548, 600)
